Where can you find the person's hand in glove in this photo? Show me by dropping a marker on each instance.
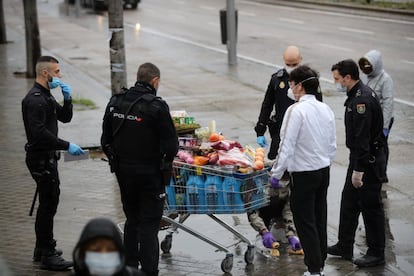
(261, 140)
(75, 149)
(275, 183)
(269, 241)
(294, 243)
(357, 179)
(66, 90)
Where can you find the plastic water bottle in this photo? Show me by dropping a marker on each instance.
(232, 196)
(195, 194)
(214, 193)
(258, 194)
(170, 190)
(180, 200)
(212, 126)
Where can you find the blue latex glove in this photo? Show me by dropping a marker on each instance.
(295, 243)
(268, 240)
(75, 149)
(261, 140)
(66, 90)
(275, 183)
(386, 131)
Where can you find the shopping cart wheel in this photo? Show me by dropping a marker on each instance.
(249, 255)
(166, 243)
(227, 263)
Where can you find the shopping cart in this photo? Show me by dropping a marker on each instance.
(213, 190)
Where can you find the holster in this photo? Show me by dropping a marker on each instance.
(274, 126)
(112, 159)
(378, 161)
(166, 171)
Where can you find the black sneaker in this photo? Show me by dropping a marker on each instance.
(337, 250)
(368, 261)
(37, 253)
(54, 262)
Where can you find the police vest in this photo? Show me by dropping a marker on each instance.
(135, 129)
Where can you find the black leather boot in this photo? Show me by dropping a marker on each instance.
(37, 253)
(338, 250)
(52, 261)
(368, 261)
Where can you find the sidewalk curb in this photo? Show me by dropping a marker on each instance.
(318, 4)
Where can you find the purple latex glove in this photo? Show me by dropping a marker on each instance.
(275, 183)
(295, 243)
(268, 240)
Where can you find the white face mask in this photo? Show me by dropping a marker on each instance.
(290, 94)
(102, 264)
(290, 68)
(340, 87)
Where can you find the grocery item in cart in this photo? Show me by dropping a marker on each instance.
(195, 193)
(232, 196)
(214, 193)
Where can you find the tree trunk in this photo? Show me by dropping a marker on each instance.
(33, 50)
(117, 46)
(3, 37)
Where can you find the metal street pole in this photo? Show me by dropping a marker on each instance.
(231, 33)
(117, 46)
(3, 36)
(77, 7)
(33, 49)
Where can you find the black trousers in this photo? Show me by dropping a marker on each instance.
(43, 168)
(309, 208)
(274, 130)
(366, 200)
(143, 208)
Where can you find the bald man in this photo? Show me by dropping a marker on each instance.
(274, 105)
(276, 101)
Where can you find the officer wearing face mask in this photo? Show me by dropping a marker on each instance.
(276, 101)
(362, 190)
(140, 139)
(41, 113)
(100, 252)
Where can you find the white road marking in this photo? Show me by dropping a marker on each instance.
(336, 47)
(247, 13)
(409, 38)
(356, 30)
(408, 61)
(222, 51)
(272, 6)
(289, 20)
(209, 8)
(213, 23)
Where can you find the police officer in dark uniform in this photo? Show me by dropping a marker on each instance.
(362, 190)
(274, 106)
(277, 101)
(141, 142)
(40, 115)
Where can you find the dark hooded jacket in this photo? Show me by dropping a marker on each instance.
(100, 227)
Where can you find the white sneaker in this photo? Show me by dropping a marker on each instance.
(307, 273)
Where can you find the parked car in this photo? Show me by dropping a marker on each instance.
(103, 4)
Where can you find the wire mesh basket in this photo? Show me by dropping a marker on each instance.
(215, 190)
